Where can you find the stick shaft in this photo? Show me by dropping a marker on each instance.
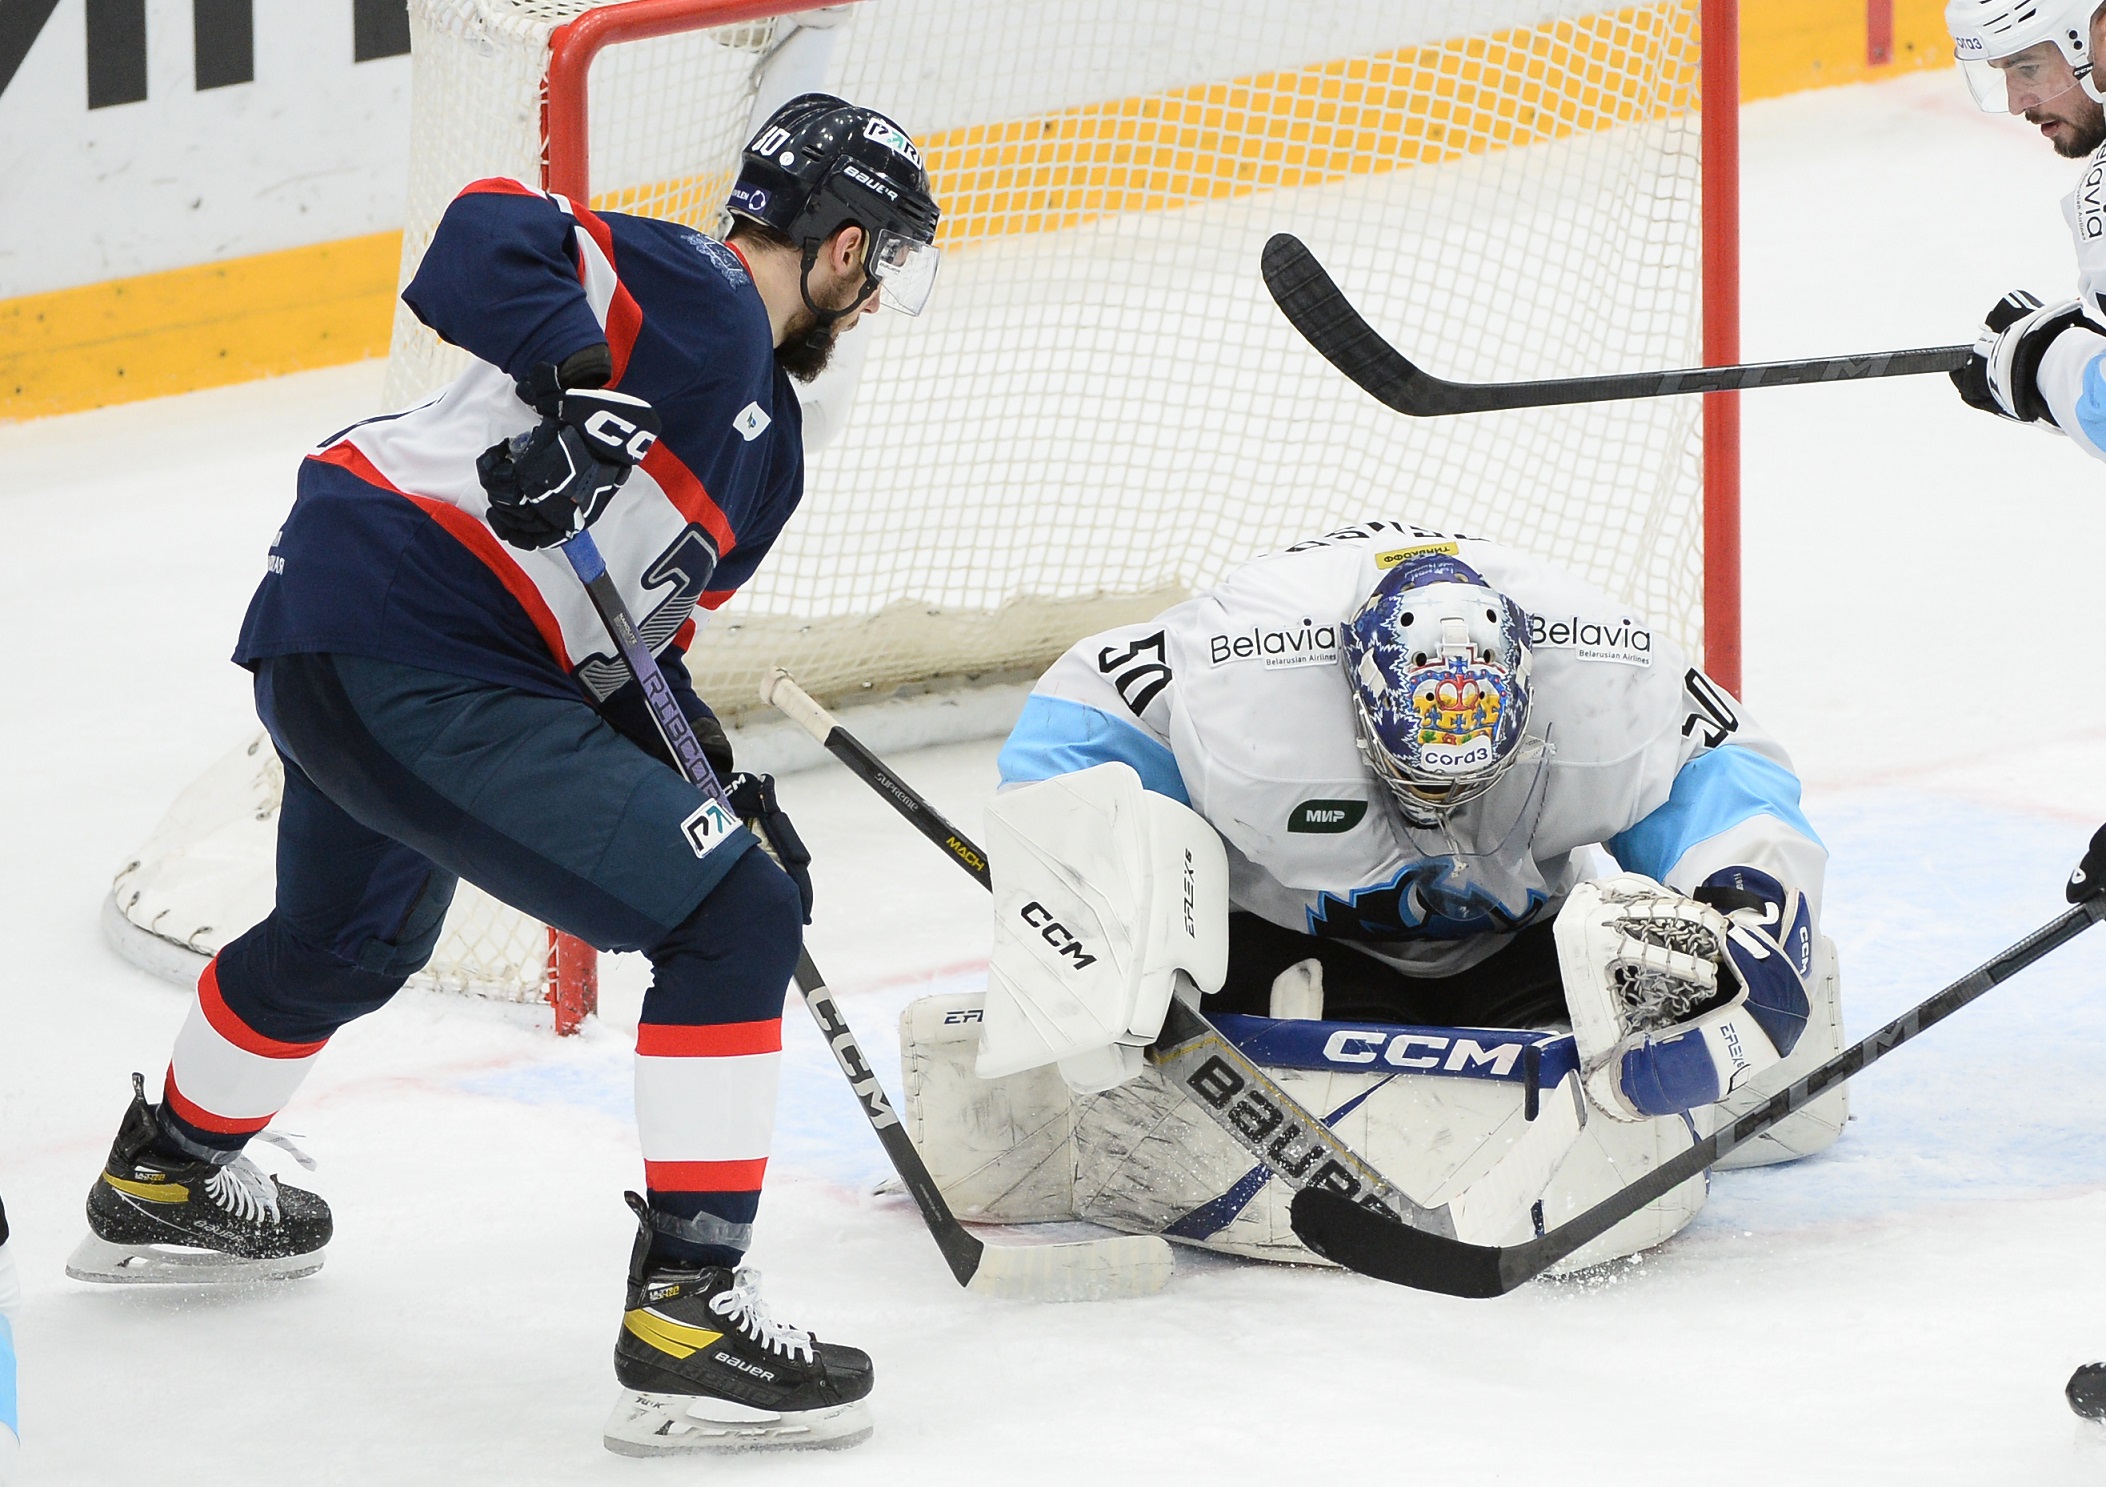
(960, 1250)
(1317, 308)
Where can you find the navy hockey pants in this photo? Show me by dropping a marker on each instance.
(399, 782)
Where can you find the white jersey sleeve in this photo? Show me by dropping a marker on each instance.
(2072, 375)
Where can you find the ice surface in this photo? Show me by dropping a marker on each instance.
(1922, 587)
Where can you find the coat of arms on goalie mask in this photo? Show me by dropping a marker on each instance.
(1438, 663)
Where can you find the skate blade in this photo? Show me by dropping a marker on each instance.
(1087, 1270)
(684, 1424)
(105, 1263)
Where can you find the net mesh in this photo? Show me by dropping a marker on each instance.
(1102, 411)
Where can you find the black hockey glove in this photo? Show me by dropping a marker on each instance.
(553, 481)
(2002, 377)
(753, 797)
(2089, 880)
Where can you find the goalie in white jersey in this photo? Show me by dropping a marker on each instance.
(1412, 745)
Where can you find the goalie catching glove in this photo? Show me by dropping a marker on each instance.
(1675, 1001)
(553, 481)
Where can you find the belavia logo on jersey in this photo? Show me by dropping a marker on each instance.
(1310, 645)
(2091, 201)
(1625, 642)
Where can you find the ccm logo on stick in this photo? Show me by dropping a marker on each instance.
(1056, 934)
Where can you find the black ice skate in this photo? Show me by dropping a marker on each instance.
(156, 1218)
(709, 1370)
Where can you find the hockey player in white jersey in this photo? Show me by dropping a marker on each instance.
(2035, 362)
(1412, 745)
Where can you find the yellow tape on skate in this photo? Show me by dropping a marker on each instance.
(667, 1335)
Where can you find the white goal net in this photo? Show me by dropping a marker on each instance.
(1102, 410)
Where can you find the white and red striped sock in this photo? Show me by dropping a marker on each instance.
(226, 1080)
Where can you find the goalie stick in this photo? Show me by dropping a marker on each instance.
(1219, 1077)
(1327, 320)
(1084, 1270)
(1372, 1245)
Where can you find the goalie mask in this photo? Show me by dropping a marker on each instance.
(2018, 54)
(1438, 664)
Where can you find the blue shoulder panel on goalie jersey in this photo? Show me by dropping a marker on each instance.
(1718, 789)
(1055, 736)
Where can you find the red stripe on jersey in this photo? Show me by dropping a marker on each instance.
(497, 186)
(351, 457)
(689, 498)
(708, 1040)
(202, 1118)
(229, 1026)
(684, 636)
(716, 598)
(705, 1177)
(624, 319)
(471, 534)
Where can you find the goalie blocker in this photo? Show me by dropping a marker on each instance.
(1034, 1104)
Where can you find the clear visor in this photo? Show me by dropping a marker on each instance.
(905, 269)
(2011, 85)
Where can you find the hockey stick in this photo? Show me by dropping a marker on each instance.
(1087, 1270)
(1214, 1073)
(1321, 312)
(1388, 1251)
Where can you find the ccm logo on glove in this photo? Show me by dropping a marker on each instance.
(614, 433)
(1056, 934)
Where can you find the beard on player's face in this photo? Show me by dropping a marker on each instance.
(2083, 128)
(807, 346)
(2089, 134)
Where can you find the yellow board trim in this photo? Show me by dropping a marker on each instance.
(189, 328)
(667, 1335)
(329, 303)
(151, 1192)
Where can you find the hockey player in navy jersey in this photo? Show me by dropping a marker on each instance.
(1413, 744)
(447, 704)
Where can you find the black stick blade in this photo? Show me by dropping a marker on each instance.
(1339, 1229)
(1314, 306)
